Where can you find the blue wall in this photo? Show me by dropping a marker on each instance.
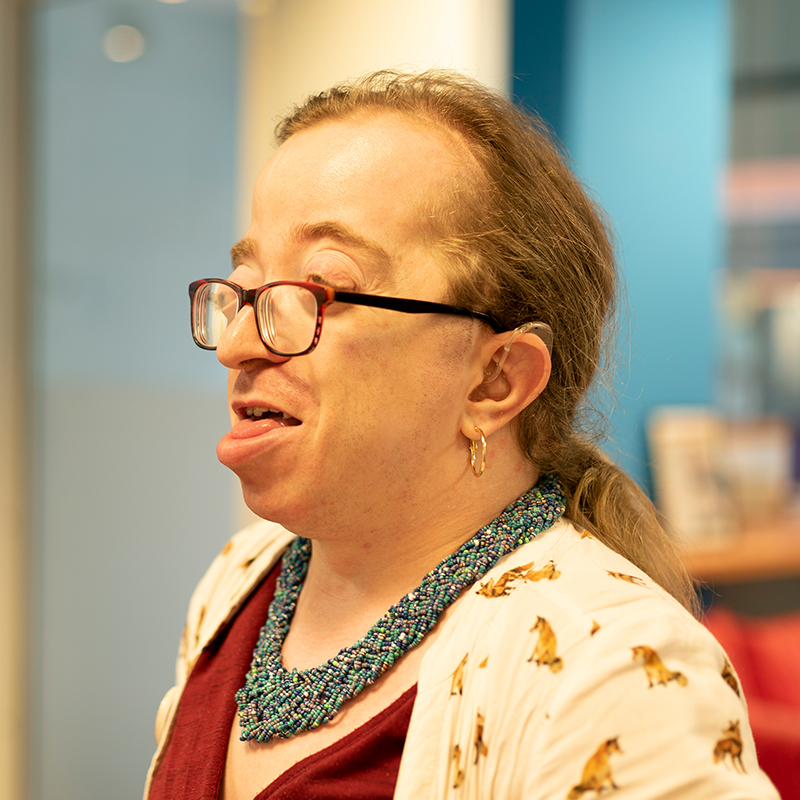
(134, 175)
(136, 166)
(643, 111)
(538, 49)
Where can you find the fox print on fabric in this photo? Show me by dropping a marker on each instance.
(730, 678)
(458, 773)
(547, 573)
(502, 586)
(457, 684)
(654, 667)
(480, 747)
(730, 746)
(597, 773)
(544, 653)
(623, 576)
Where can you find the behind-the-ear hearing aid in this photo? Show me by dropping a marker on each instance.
(541, 329)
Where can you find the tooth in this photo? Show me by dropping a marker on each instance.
(256, 412)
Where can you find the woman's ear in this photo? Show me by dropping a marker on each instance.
(500, 397)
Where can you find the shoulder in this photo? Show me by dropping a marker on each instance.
(568, 651)
(227, 583)
(570, 585)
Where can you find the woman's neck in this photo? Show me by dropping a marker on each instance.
(353, 579)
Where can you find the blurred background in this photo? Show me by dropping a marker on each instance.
(131, 132)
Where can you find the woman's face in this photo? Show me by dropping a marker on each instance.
(374, 411)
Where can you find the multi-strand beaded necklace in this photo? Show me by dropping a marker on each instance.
(278, 702)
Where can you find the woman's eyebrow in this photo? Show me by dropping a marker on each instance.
(243, 250)
(247, 248)
(311, 232)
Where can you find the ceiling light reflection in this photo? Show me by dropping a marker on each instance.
(123, 43)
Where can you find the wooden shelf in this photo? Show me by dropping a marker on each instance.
(759, 552)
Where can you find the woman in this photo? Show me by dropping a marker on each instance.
(463, 597)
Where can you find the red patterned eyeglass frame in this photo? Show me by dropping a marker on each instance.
(325, 295)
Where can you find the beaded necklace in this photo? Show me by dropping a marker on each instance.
(278, 702)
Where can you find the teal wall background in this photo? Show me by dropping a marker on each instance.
(136, 165)
(134, 168)
(539, 58)
(642, 105)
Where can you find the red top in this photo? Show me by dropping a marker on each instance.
(363, 764)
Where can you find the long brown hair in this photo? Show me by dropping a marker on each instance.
(521, 239)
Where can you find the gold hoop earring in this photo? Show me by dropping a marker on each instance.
(473, 453)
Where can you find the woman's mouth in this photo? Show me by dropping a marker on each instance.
(255, 430)
(264, 413)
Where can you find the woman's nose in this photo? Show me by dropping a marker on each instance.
(241, 343)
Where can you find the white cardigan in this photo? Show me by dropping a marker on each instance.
(571, 675)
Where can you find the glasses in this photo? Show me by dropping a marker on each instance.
(289, 314)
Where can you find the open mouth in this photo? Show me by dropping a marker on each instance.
(264, 413)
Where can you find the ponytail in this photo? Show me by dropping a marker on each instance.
(606, 502)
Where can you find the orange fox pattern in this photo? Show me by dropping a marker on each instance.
(480, 748)
(622, 576)
(502, 586)
(545, 652)
(597, 777)
(730, 678)
(654, 667)
(730, 746)
(458, 773)
(457, 683)
(596, 774)
(547, 573)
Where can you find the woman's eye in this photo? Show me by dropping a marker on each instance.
(332, 275)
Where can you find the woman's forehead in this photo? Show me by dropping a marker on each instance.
(373, 180)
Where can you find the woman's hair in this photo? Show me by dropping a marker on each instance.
(520, 239)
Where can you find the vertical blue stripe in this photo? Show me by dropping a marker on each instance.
(540, 28)
(646, 121)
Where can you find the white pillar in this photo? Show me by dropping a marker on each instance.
(291, 48)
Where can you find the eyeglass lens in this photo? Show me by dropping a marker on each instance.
(287, 316)
(215, 306)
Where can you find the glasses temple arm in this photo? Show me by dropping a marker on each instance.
(414, 306)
